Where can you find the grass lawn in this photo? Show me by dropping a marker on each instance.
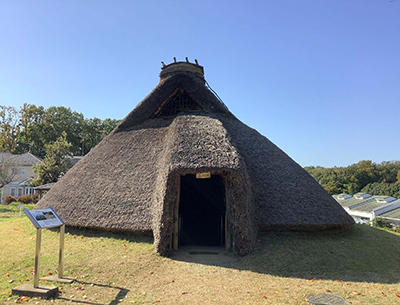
(361, 264)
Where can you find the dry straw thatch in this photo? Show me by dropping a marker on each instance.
(131, 180)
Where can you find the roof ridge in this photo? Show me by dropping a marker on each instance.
(32, 155)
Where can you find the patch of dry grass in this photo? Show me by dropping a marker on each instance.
(361, 264)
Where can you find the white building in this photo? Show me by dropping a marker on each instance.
(364, 208)
(19, 168)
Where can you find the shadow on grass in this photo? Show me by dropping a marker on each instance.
(12, 210)
(133, 237)
(121, 295)
(6, 210)
(359, 254)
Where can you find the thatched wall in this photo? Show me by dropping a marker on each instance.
(112, 187)
(286, 196)
(193, 144)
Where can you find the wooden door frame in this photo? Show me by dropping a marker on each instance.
(175, 233)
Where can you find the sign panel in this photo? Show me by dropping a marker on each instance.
(203, 175)
(46, 218)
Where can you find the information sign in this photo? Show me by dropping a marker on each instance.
(46, 218)
(205, 175)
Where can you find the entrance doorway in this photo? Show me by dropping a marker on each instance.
(202, 211)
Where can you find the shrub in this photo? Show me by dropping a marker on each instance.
(28, 198)
(381, 223)
(35, 198)
(8, 199)
(24, 199)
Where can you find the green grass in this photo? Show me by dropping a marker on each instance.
(12, 210)
(360, 264)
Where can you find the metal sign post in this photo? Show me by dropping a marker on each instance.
(21, 206)
(41, 219)
(61, 252)
(37, 257)
(60, 276)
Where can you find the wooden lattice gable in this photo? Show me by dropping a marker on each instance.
(179, 102)
(180, 93)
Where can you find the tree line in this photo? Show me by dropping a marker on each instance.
(33, 127)
(54, 134)
(364, 176)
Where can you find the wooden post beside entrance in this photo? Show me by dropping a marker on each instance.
(176, 214)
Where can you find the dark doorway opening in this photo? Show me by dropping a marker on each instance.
(202, 211)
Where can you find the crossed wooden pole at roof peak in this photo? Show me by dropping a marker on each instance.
(186, 58)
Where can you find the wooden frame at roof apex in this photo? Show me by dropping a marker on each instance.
(184, 101)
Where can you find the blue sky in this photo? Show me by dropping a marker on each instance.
(320, 79)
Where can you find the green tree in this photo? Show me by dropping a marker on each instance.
(40, 126)
(380, 222)
(353, 178)
(332, 187)
(358, 175)
(388, 171)
(385, 189)
(62, 119)
(32, 133)
(56, 163)
(91, 134)
(94, 130)
(9, 128)
(108, 125)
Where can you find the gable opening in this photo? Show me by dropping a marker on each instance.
(202, 211)
(177, 103)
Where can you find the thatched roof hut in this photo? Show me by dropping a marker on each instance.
(184, 168)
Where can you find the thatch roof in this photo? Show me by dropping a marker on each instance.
(25, 159)
(44, 187)
(128, 181)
